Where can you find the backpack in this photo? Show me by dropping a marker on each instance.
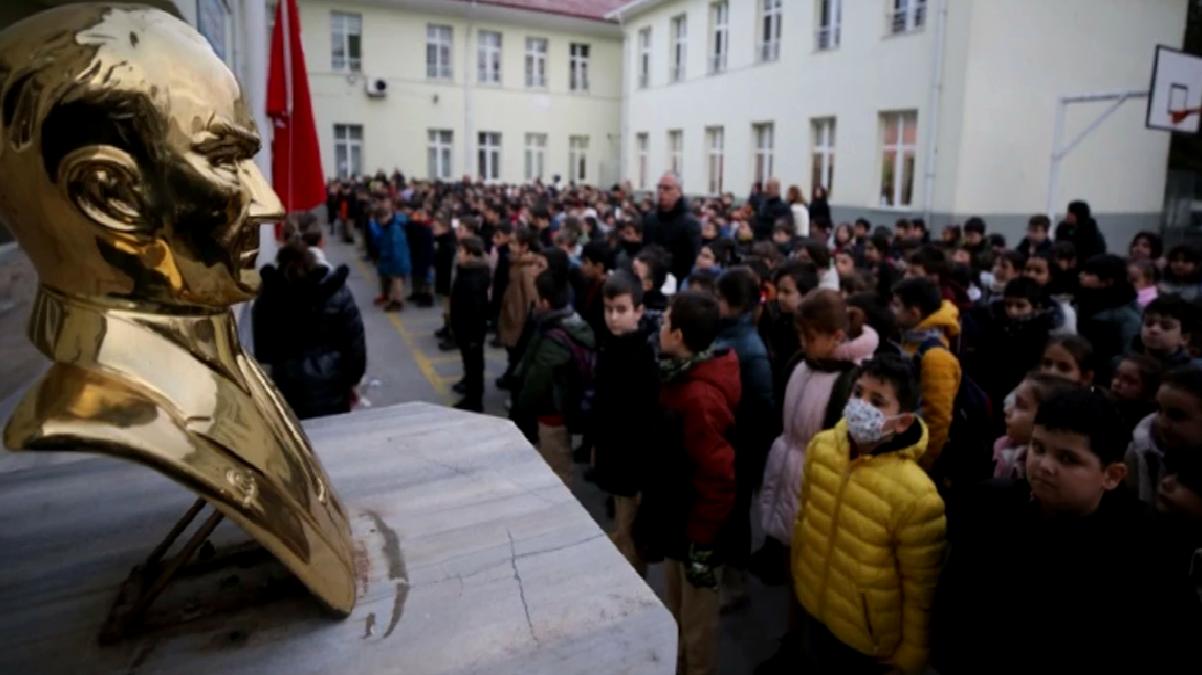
(967, 456)
(576, 385)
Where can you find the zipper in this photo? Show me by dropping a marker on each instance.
(830, 545)
(868, 619)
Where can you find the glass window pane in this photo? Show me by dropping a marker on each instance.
(356, 160)
(891, 123)
(829, 177)
(887, 162)
(907, 186)
(910, 132)
(354, 46)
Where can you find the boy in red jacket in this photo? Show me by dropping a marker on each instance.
(699, 393)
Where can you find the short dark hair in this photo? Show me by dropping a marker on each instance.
(551, 289)
(1175, 307)
(473, 246)
(695, 315)
(630, 225)
(1088, 413)
(919, 292)
(1016, 259)
(598, 252)
(1039, 222)
(528, 237)
(312, 236)
(1187, 379)
(1150, 372)
(997, 240)
(1079, 348)
(863, 222)
(932, 259)
(803, 274)
(621, 283)
(897, 371)
(1064, 250)
(656, 260)
(823, 312)
(1025, 287)
(818, 252)
(1155, 242)
(740, 289)
(505, 227)
(974, 224)
(782, 228)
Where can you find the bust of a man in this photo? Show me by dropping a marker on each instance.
(126, 175)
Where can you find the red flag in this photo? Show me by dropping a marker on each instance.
(296, 157)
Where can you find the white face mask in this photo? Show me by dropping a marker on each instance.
(865, 423)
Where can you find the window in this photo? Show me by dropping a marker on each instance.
(348, 150)
(713, 150)
(907, 15)
(536, 151)
(641, 141)
(489, 149)
(579, 67)
(536, 62)
(899, 135)
(719, 36)
(216, 23)
(577, 158)
(822, 157)
(346, 41)
(438, 52)
(830, 15)
(644, 57)
(488, 57)
(762, 134)
(679, 42)
(675, 151)
(438, 153)
(769, 37)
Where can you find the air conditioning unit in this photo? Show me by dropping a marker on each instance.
(376, 87)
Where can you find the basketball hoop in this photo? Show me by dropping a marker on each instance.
(1175, 95)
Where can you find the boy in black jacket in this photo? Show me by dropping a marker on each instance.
(469, 319)
(1062, 572)
(625, 405)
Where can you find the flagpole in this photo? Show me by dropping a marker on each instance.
(286, 18)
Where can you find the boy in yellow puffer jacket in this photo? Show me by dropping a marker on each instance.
(869, 537)
(926, 319)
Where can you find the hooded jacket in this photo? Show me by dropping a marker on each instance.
(520, 294)
(625, 409)
(1145, 461)
(691, 492)
(678, 232)
(939, 375)
(809, 397)
(310, 333)
(755, 417)
(545, 358)
(868, 544)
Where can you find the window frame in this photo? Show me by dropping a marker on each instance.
(578, 66)
(536, 62)
(443, 149)
(536, 153)
(823, 132)
(827, 34)
(578, 158)
(643, 57)
(642, 146)
(341, 36)
(715, 149)
(676, 151)
(762, 156)
(438, 69)
(901, 150)
(719, 45)
(905, 16)
(678, 45)
(768, 30)
(488, 57)
(486, 151)
(345, 140)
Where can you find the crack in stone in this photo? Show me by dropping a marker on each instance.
(513, 562)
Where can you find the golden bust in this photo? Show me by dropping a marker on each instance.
(126, 175)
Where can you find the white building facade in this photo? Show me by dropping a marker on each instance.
(942, 108)
(442, 89)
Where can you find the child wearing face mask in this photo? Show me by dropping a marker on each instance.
(1020, 406)
(1064, 571)
(869, 534)
(625, 404)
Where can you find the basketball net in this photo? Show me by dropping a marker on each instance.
(1178, 116)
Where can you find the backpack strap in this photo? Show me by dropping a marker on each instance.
(840, 392)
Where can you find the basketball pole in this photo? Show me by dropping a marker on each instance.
(1060, 152)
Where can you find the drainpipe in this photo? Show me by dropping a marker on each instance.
(934, 98)
(469, 111)
(623, 116)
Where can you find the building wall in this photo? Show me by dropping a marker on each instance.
(395, 128)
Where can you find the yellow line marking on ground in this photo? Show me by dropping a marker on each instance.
(419, 357)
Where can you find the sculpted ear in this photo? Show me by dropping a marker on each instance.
(105, 184)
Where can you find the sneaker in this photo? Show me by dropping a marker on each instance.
(470, 406)
(459, 387)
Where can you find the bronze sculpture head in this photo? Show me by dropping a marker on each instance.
(126, 175)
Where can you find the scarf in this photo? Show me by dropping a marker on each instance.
(671, 369)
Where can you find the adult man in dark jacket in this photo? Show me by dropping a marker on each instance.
(308, 331)
(673, 227)
(1081, 229)
(771, 209)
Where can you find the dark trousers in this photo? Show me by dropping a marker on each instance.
(473, 371)
(824, 654)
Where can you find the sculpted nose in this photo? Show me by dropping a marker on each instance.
(264, 204)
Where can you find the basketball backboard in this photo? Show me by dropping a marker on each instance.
(1175, 99)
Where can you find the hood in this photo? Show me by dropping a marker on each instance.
(1143, 438)
(912, 444)
(946, 319)
(732, 328)
(860, 348)
(571, 323)
(722, 373)
(321, 283)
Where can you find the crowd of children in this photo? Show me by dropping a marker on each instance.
(961, 455)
